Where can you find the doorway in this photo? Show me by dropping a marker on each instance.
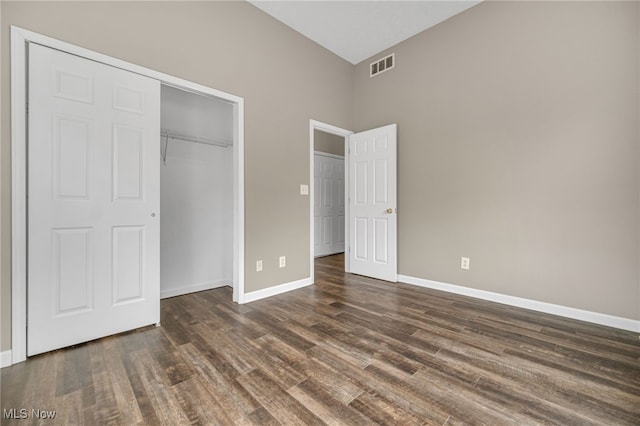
(328, 138)
(329, 195)
(370, 188)
(196, 190)
(20, 40)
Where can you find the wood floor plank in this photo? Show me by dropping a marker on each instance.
(348, 350)
(523, 383)
(213, 354)
(158, 389)
(107, 410)
(385, 412)
(589, 372)
(375, 384)
(195, 402)
(238, 322)
(219, 343)
(172, 327)
(276, 400)
(275, 328)
(344, 351)
(333, 381)
(275, 347)
(125, 399)
(142, 399)
(261, 417)
(278, 370)
(75, 371)
(72, 410)
(224, 391)
(314, 397)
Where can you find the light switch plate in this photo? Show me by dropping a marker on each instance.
(304, 189)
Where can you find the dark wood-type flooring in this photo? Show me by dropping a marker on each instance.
(348, 350)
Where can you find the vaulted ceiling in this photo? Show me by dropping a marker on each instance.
(356, 30)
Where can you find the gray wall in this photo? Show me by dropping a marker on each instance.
(519, 148)
(327, 142)
(285, 78)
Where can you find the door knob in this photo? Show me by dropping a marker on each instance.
(389, 211)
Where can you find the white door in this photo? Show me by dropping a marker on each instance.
(328, 204)
(93, 200)
(373, 203)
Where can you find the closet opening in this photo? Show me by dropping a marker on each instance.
(224, 267)
(196, 192)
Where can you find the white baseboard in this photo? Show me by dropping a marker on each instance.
(275, 290)
(534, 305)
(5, 359)
(172, 292)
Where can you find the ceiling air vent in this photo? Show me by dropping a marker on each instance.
(382, 65)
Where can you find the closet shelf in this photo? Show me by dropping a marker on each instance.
(170, 134)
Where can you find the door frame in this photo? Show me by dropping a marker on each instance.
(327, 128)
(19, 39)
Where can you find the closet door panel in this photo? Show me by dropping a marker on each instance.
(329, 205)
(93, 199)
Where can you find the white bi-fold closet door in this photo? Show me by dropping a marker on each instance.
(329, 207)
(93, 200)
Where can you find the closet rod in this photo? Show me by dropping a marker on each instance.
(166, 133)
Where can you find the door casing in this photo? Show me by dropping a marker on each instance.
(328, 128)
(19, 39)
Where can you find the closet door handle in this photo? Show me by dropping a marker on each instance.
(153, 215)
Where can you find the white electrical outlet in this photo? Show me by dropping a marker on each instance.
(258, 265)
(283, 261)
(464, 263)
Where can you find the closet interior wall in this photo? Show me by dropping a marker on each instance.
(196, 187)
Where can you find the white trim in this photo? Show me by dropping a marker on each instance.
(194, 288)
(278, 289)
(534, 305)
(328, 154)
(327, 128)
(238, 201)
(5, 359)
(177, 82)
(18, 197)
(19, 39)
